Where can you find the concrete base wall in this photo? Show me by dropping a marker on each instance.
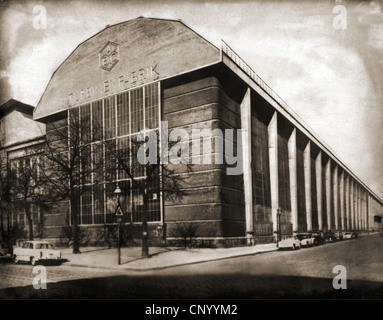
(214, 203)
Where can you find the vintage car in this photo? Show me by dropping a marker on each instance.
(306, 239)
(289, 243)
(330, 237)
(350, 235)
(319, 238)
(34, 251)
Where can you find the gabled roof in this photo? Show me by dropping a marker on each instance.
(143, 50)
(12, 105)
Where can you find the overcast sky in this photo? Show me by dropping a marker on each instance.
(332, 77)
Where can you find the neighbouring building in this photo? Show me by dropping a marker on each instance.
(20, 137)
(141, 74)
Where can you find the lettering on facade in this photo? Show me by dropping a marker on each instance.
(114, 86)
(109, 55)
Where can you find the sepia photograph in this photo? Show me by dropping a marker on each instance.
(187, 156)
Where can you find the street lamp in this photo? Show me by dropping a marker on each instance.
(118, 214)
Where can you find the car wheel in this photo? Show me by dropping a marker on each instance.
(33, 261)
(16, 260)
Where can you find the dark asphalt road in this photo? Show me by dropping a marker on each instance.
(303, 274)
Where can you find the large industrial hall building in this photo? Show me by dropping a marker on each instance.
(137, 75)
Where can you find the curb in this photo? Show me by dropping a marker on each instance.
(168, 266)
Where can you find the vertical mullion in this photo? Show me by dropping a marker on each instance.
(91, 161)
(130, 153)
(68, 133)
(144, 120)
(116, 133)
(160, 140)
(103, 138)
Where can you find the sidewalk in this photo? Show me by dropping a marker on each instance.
(160, 257)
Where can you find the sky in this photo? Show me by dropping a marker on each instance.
(323, 57)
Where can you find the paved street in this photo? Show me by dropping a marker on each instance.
(306, 273)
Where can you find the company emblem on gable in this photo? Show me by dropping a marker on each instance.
(109, 56)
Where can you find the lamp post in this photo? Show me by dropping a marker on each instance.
(118, 214)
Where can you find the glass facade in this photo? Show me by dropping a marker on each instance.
(116, 121)
(263, 225)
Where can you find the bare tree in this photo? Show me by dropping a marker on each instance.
(5, 196)
(25, 186)
(69, 164)
(146, 172)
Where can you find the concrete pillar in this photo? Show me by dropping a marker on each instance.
(273, 161)
(347, 202)
(328, 193)
(352, 212)
(318, 175)
(357, 207)
(336, 196)
(355, 218)
(307, 177)
(247, 171)
(361, 209)
(365, 210)
(292, 150)
(368, 211)
(341, 195)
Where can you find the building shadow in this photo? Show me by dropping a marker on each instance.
(223, 286)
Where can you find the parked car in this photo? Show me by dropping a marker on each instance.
(354, 235)
(330, 237)
(291, 242)
(338, 235)
(318, 238)
(347, 235)
(306, 239)
(34, 251)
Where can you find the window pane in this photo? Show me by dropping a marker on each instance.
(98, 203)
(123, 157)
(137, 206)
(97, 126)
(137, 112)
(137, 167)
(123, 114)
(110, 118)
(110, 160)
(85, 123)
(98, 163)
(151, 106)
(154, 209)
(125, 200)
(110, 203)
(86, 207)
(86, 164)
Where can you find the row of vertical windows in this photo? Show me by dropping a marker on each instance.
(116, 119)
(260, 169)
(283, 174)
